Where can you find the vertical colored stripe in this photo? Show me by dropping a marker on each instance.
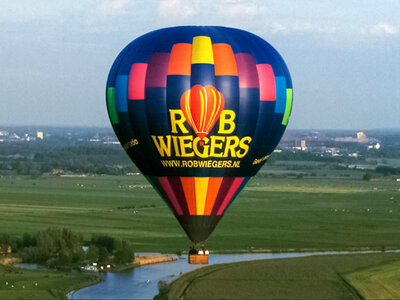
(232, 190)
(280, 94)
(121, 93)
(176, 185)
(214, 184)
(112, 110)
(180, 59)
(202, 52)
(247, 71)
(188, 185)
(201, 184)
(267, 82)
(288, 108)
(224, 60)
(171, 195)
(157, 70)
(137, 77)
(223, 190)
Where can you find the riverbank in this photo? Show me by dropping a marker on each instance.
(143, 259)
(311, 277)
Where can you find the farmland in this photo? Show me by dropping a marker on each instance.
(18, 283)
(337, 211)
(315, 277)
(377, 282)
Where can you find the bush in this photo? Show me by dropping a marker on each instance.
(367, 176)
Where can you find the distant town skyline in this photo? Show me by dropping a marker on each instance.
(344, 56)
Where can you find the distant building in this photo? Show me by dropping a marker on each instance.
(361, 137)
(303, 145)
(57, 172)
(377, 146)
(5, 249)
(39, 135)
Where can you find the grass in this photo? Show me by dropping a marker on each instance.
(18, 283)
(314, 277)
(379, 282)
(318, 213)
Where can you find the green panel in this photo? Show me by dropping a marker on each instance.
(112, 109)
(288, 108)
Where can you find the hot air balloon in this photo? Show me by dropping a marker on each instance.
(199, 109)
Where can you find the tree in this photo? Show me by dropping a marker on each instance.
(92, 254)
(123, 252)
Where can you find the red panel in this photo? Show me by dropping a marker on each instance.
(189, 189)
(137, 77)
(232, 190)
(248, 76)
(267, 82)
(157, 70)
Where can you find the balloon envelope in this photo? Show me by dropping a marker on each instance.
(199, 109)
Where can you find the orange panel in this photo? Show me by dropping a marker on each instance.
(180, 59)
(213, 188)
(188, 185)
(224, 60)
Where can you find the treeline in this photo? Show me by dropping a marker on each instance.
(386, 170)
(38, 158)
(60, 248)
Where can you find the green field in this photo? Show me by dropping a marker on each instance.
(18, 283)
(315, 277)
(379, 282)
(333, 212)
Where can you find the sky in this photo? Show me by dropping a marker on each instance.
(343, 55)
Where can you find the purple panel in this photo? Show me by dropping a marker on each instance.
(171, 195)
(157, 70)
(176, 185)
(247, 70)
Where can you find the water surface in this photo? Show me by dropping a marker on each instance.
(142, 282)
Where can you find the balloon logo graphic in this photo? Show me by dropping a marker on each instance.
(199, 109)
(202, 106)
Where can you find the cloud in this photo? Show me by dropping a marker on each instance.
(277, 27)
(382, 29)
(234, 9)
(113, 7)
(177, 9)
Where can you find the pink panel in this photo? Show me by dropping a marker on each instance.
(157, 70)
(247, 71)
(267, 82)
(232, 190)
(171, 195)
(136, 81)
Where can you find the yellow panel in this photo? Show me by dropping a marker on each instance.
(202, 52)
(201, 184)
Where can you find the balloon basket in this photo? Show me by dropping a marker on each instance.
(198, 257)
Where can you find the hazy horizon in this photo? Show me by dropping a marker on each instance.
(343, 56)
(2, 127)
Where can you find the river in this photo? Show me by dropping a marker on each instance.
(142, 282)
